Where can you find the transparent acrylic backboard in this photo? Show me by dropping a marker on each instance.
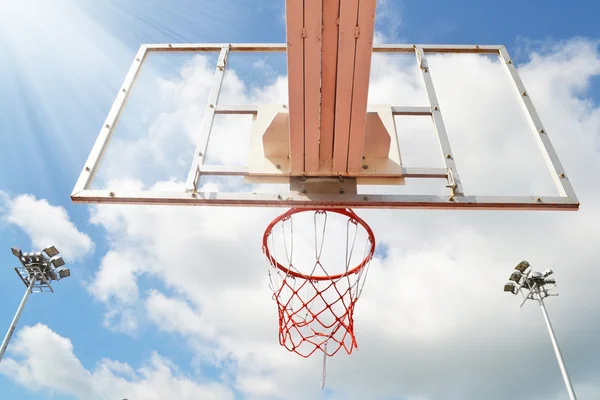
(447, 127)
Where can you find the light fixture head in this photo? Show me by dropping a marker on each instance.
(27, 257)
(547, 273)
(515, 276)
(51, 251)
(16, 252)
(536, 276)
(57, 261)
(511, 287)
(64, 273)
(522, 266)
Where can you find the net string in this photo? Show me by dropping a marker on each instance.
(349, 253)
(318, 252)
(297, 297)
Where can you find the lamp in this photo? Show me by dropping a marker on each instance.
(51, 251)
(522, 266)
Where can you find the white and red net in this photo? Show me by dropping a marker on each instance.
(318, 262)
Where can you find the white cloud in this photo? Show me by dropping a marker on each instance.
(47, 225)
(115, 284)
(42, 351)
(121, 319)
(115, 278)
(433, 321)
(45, 361)
(177, 315)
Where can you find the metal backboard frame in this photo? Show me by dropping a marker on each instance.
(456, 198)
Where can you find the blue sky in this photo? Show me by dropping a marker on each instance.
(61, 68)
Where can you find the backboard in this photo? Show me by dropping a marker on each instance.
(319, 133)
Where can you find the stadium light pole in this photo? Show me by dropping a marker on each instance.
(36, 272)
(532, 286)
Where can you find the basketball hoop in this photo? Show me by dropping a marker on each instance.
(316, 305)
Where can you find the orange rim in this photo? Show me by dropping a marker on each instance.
(347, 212)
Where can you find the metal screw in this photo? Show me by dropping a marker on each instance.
(509, 62)
(341, 178)
(212, 106)
(538, 199)
(107, 126)
(303, 178)
(451, 198)
(137, 59)
(279, 197)
(524, 93)
(124, 90)
(341, 191)
(278, 166)
(112, 194)
(436, 108)
(87, 168)
(170, 45)
(448, 156)
(365, 198)
(194, 195)
(562, 175)
(542, 131)
(365, 167)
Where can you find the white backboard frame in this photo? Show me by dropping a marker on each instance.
(456, 198)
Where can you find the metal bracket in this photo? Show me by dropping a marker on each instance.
(331, 185)
(452, 185)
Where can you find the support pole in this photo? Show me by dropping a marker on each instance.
(559, 358)
(534, 283)
(13, 324)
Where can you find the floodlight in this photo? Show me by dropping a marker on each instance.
(51, 251)
(510, 287)
(515, 276)
(64, 273)
(535, 284)
(522, 266)
(37, 272)
(57, 262)
(536, 276)
(30, 257)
